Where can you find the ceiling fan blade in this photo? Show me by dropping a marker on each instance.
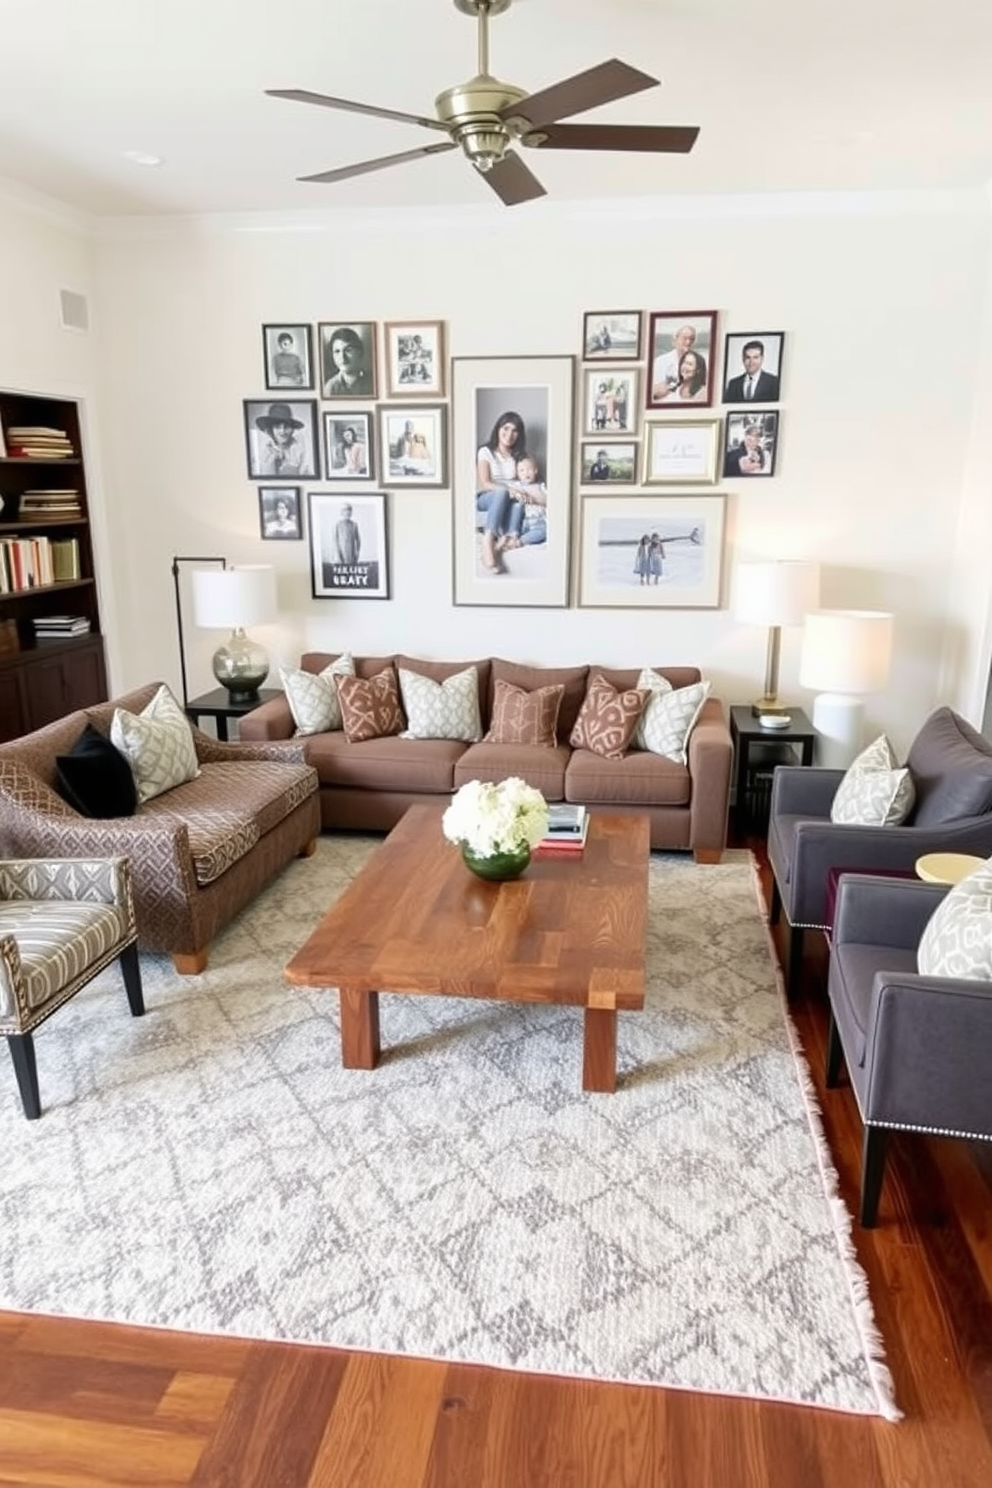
(576, 94)
(344, 172)
(513, 181)
(300, 95)
(663, 139)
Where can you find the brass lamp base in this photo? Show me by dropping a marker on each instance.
(769, 705)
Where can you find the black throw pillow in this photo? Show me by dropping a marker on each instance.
(95, 778)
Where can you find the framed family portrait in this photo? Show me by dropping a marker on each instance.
(414, 358)
(610, 399)
(750, 444)
(349, 445)
(613, 464)
(288, 356)
(512, 479)
(281, 439)
(651, 552)
(280, 514)
(348, 549)
(347, 359)
(414, 445)
(611, 335)
(680, 451)
(752, 366)
(681, 351)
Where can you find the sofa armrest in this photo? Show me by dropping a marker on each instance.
(804, 790)
(928, 1053)
(211, 751)
(884, 911)
(271, 720)
(710, 759)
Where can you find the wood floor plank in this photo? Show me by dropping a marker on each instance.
(59, 1453)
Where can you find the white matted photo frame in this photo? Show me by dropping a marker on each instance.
(414, 444)
(680, 451)
(610, 400)
(348, 545)
(280, 514)
(347, 359)
(611, 335)
(750, 444)
(651, 552)
(288, 356)
(414, 358)
(281, 439)
(349, 445)
(612, 463)
(511, 520)
(676, 380)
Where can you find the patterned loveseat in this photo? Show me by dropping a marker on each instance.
(199, 852)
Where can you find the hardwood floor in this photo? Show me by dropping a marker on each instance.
(86, 1405)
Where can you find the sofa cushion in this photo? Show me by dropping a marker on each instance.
(58, 941)
(608, 718)
(957, 938)
(313, 698)
(370, 707)
(669, 716)
(95, 778)
(638, 779)
(365, 666)
(522, 717)
(537, 764)
(874, 792)
(386, 764)
(573, 679)
(158, 743)
(447, 709)
(951, 766)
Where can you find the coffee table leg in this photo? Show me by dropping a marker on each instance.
(359, 1028)
(599, 1050)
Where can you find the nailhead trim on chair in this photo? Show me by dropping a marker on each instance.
(932, 1131)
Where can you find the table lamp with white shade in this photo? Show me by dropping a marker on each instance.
(845, 654)
(232, 599)
(774, 593)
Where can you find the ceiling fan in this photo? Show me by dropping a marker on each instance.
(487, 118)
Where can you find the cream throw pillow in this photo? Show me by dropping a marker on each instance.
(441, 710)
(875, 792)
(957, 940)
(312, 696)
(157, 743)
(669, 715)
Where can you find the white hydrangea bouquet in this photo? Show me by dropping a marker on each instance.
(490, 819)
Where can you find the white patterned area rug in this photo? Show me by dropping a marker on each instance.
(212, 1167)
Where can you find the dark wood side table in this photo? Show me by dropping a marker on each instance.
(759, 750)
(220, 706)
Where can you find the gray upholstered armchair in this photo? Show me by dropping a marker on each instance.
(918, 1049)
(951, 766)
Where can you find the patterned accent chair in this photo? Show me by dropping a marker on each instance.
(61, 922)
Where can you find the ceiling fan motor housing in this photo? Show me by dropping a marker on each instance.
(471, 113)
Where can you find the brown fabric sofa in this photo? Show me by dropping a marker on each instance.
(199, 852)
(368, 786)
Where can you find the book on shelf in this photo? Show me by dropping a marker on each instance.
(566, 819)
(65, 558)
(563, 844)
(32, 441)
(61, 625)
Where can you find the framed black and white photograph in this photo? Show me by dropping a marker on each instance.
(414, 358)
(611, 464)
(610, 400)
(681, 352)
(414, 444)
(680, 451)
(750, 444)
(611, 335)
(512, 479)
(752, 366)
(651, 552)
(281, 439)
(280, 514)
(349, 445)
(348, 545)
(288, 356)
(347, 359)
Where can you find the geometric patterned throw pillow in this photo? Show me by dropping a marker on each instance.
(522, 717)
(669, 716)
(957, 940)
(312, 696)
(370, 707)
(441, 710)
(158, 744)
(874, 792)
(608, 718)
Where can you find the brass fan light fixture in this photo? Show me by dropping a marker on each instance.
(486, 118)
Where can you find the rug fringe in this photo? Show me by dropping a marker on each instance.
(843, 1224)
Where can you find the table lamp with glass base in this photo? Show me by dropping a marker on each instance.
(231, 598)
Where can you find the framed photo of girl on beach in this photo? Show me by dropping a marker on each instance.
(651, 552)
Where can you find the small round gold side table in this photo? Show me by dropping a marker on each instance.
(946, 868)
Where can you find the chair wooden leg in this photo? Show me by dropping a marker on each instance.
(794, 975)
(192, 964)
(131, 972)
(835, 1055)
(775, 907)
(21, 1047)
(873, 1149)
(308, 849)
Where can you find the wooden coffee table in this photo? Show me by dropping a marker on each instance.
(570, 931)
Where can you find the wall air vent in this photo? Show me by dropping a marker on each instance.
(74, 309)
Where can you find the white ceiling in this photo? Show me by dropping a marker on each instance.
(807, 95)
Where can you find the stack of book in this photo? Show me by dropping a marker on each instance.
(566, 834)
(43, 504)
(25, 563)
(61, 625)
(36, 442)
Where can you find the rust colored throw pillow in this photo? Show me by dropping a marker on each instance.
(370, 707)
(521, 717)
(608, 718)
